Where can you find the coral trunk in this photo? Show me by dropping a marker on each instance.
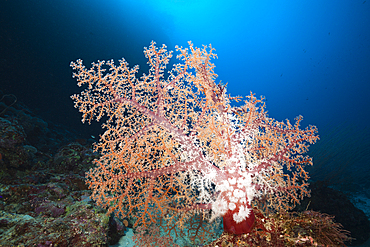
(230, 226)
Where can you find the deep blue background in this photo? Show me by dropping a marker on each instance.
(306, 57)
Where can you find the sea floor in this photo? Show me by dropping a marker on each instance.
(361, 201)
(125, 241)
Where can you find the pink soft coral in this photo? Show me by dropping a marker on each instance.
(175, 146)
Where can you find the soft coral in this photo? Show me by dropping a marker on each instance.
(177, 144)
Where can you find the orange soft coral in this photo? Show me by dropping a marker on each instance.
(175, 146)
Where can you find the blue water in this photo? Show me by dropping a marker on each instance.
(306, 57)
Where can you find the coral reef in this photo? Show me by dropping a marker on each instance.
(174, 145)
(330, 201)
(43, 197)
(44, 200)
(308, 228)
